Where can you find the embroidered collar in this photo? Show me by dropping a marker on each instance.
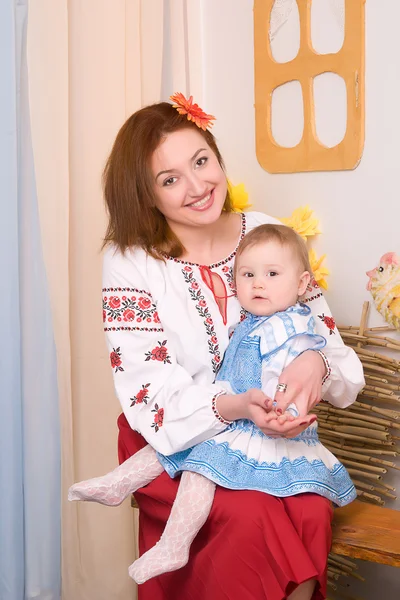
(214, 265)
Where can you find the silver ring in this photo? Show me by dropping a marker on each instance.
(281, 387)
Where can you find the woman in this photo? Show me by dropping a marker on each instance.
(169, 302)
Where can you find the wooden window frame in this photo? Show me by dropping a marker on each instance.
(310, 154)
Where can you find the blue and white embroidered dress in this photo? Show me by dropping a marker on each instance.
(242, 457)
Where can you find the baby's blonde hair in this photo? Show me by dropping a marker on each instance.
(285, 236)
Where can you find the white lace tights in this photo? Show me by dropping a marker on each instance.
(189, 512)
(113, 488)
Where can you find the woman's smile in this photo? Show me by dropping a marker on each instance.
(203, 203)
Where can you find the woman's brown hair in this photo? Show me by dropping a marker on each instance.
(134, 219)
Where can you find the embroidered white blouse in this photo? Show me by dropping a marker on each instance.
(167, 338)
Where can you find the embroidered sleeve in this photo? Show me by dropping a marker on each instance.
(129, 309)
(328, 369)
(157, 395)
(345, 374)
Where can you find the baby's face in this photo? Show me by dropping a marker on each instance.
(269, 278)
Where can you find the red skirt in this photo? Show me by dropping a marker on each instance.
(252, 547)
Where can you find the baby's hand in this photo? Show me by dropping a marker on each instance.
(289, 415)
(285, 418)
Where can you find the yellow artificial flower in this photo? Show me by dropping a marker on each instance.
(319, 271)
(239, 197)
(302, 222)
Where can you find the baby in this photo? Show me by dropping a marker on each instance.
(271, 272)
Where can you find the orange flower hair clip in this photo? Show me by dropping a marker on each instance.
(193, 111)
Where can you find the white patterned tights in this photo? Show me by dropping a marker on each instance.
(112, 489)
(189, 512)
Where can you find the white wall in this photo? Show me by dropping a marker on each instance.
(359, 210)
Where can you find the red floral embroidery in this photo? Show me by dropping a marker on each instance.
(228, 272)
(243, 314)
(114, 302)
(126, 305)
(202, 309)
(115, 359)
(144, 303)
(160, 353)
(141, 396)
(128, 315)
(313, 289)
(329, 322)
(158, 417)
(133, 328)
(313, 285)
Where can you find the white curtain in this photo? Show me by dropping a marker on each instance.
(29, 410)
(92, 63)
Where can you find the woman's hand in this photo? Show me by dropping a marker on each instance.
(303, 378)
(257, 407)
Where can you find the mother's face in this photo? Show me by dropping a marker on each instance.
(189, 182)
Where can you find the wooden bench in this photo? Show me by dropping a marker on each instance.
(369, 532)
